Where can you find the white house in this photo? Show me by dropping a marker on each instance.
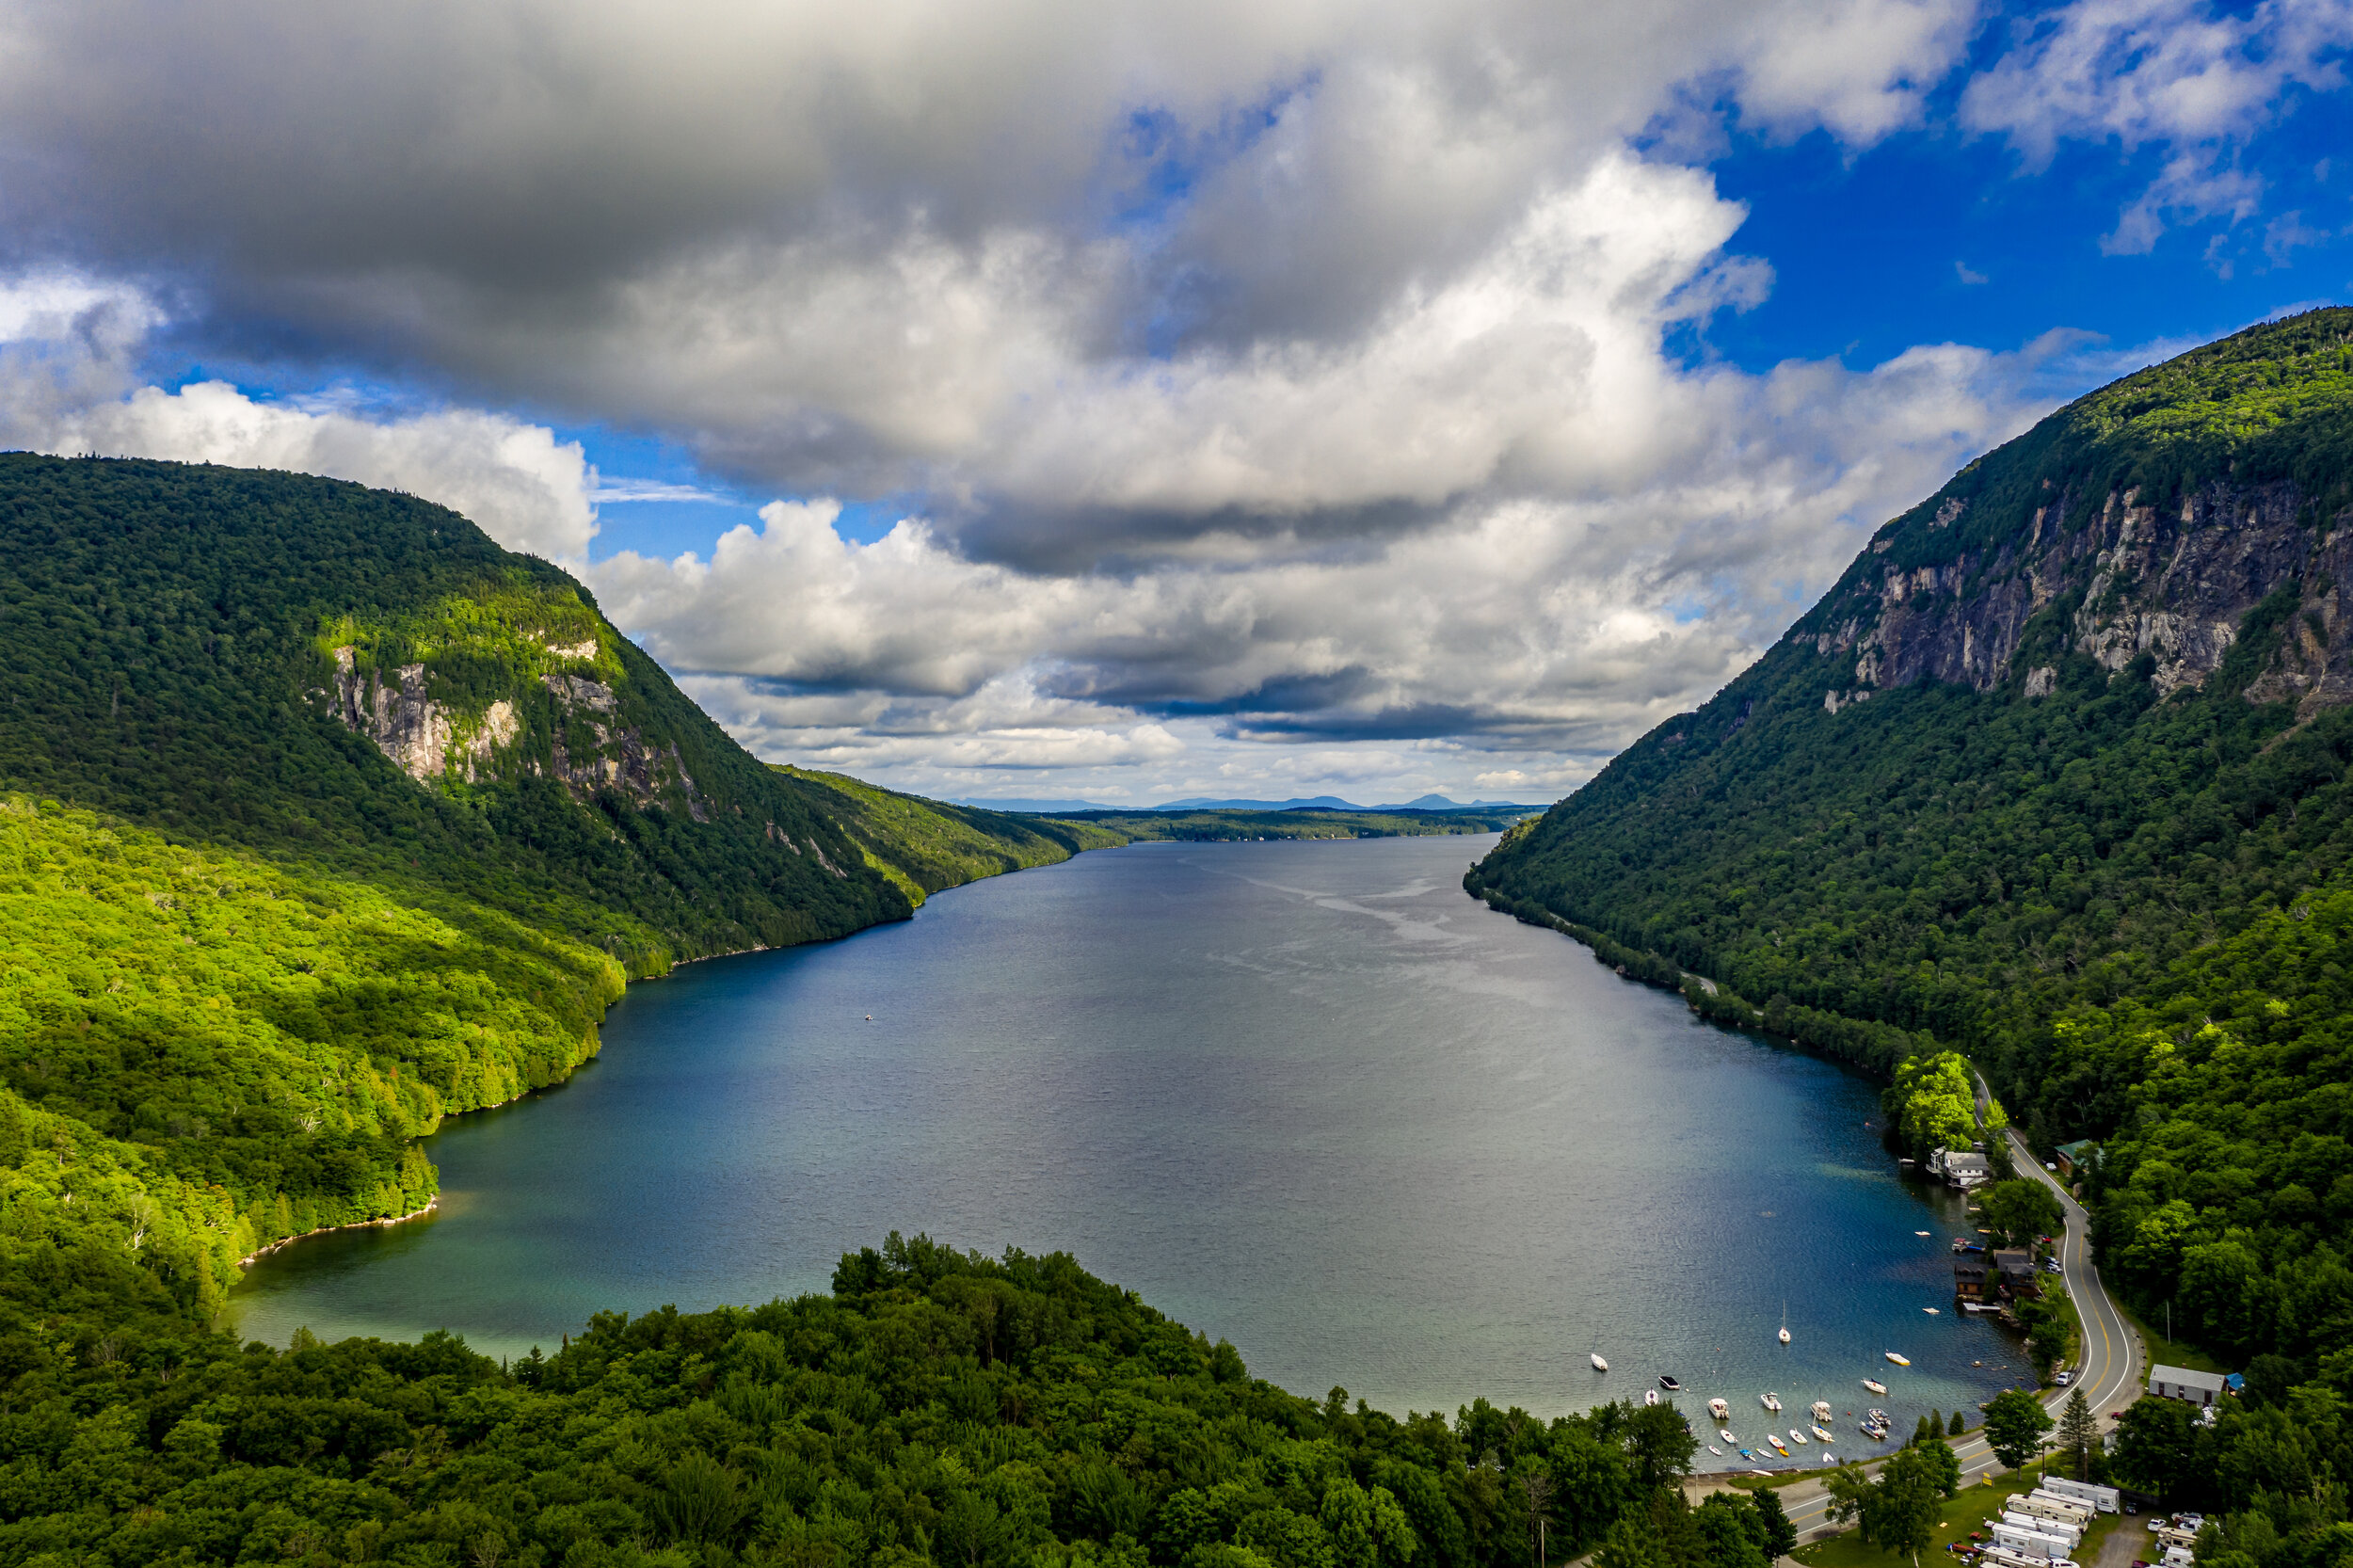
(2180, 1382)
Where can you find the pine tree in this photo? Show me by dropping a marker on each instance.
(2078, 1433)
(1958, 1426)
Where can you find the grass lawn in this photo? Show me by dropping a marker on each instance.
(1779, 1478)
(1968, 1512)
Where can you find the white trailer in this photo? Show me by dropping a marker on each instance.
(2002, 1557)
(2030, 1543)
(2072, 1534)
(2106, 1498)
(2043, 1505)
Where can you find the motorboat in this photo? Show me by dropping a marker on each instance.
(1877, 1434)
(1669, 1383)
(1717, 1451)
(1899, 1360)
(1919, 1233)
(1778, 1447)
(1727, 1436)
(1876, 1386)
(1599, 1365)
(1770, 1401)
(1785, 1322)
(1933, 1311)
(1718, 1409)
(1649, 1396)
(1820, 1412)
(1821, 1434)
(1797, 1436)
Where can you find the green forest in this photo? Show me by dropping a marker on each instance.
(2129, 907)
(935, 1407)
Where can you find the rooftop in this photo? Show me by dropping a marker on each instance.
(2182, 1377)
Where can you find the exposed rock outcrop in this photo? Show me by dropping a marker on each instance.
(590, 750)
(425, 739)
(2174, 583)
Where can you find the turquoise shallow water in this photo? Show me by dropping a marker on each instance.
(1307, 1096)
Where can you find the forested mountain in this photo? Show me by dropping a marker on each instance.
(321, 817)
(2057, 774)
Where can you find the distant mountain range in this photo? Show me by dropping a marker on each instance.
(1333, 803)
(1207, 803)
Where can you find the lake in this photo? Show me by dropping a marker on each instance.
(1306, 1097)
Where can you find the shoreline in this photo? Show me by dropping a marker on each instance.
(431, 1203)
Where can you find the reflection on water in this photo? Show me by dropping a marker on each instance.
(1307, 1096)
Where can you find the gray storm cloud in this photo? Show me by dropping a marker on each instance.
(1260, 372)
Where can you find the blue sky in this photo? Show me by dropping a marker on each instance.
(1131, 402)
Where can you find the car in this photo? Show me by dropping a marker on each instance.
(2065, 1378)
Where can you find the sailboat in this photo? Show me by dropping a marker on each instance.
(1785, 1322)
(1599, 1365)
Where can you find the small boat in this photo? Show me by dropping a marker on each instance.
(1745, 1454)
(1899, 1360)
(1878, 1417)
(1599, 1365)
(1797, 1436)
(1777, 1446)
(1785, 1322)
(1722, 1411)
(1669, 1383)
(1877, 1434)
(1829, 1458)
(1729, 1438)
(1934, 1312)
(1875, 1386)
(1770, 1401)
(1717, 1451)
(1820, 1412)
(1821, 1435)
(1649, 1396)
(1919, 1233)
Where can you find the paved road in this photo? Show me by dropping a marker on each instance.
(2109, 1369)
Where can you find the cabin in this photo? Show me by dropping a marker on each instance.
(1973, 1279)
(2018, 1274)
(2081, 1155)
(2180, 1382)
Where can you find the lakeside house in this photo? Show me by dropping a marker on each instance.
(2019, 1276)
(1962, 1168)
(1974, 1277)
(2181, 1383)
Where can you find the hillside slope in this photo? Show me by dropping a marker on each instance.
(365, 680)
(321, 817)
(2047, 775)
(927, 846)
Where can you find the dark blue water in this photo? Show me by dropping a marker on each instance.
(1307, 1096)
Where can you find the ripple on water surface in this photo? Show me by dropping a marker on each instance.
(1306, 1097)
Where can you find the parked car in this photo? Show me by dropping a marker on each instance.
(2064, 1379)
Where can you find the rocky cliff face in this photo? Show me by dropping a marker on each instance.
(425, 739)
(2173, 582)
(576, 735)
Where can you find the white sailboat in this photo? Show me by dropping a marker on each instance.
(1785, 1322)
(1599, 1365)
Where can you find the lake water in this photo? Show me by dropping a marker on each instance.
(1305, 1096)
